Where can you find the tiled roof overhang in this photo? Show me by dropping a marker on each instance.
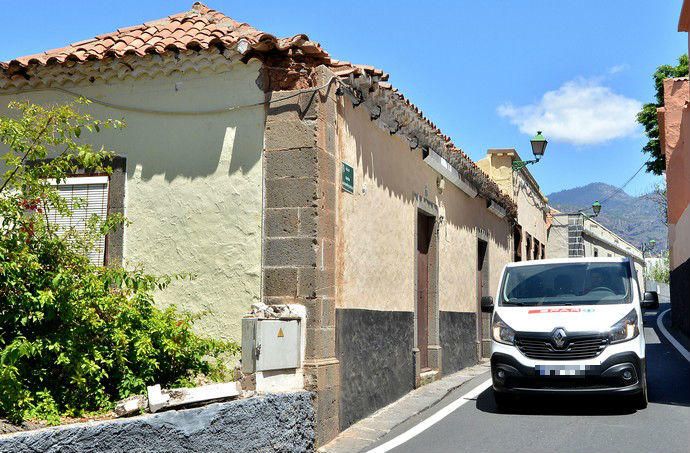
(393, 112)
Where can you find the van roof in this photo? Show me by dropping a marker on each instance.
(570, 260)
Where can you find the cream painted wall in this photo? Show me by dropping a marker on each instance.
(377, 224)
(530, 209)
(194, 184)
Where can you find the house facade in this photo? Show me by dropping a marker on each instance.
(576, 235)
(277, 174)
(530, 233)
(674, 138)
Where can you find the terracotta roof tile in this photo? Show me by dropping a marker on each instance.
(198, 29)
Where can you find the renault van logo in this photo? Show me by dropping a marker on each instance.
(559, 337)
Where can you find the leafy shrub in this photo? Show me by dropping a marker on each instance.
(74, 337)
(660, 271)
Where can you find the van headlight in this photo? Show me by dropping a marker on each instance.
(502, 332)
(625, 329)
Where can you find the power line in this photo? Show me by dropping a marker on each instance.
(619, 189)
(136, 109)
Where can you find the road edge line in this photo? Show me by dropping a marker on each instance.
(676, 344)
(432, 420)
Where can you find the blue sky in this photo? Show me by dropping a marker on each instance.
(486, 72)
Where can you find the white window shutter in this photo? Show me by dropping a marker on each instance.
(91, 194)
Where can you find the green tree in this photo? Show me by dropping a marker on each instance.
(647, 116)
(75, 337)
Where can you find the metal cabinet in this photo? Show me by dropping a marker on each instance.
(270, 344)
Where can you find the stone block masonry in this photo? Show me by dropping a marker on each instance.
(273, 423)
(300, 175)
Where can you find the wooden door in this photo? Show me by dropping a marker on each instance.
(424, 231)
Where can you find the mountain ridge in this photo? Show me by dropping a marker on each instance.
(636, 219)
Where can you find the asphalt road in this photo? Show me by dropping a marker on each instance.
(591, 424)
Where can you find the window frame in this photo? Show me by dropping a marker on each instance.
(90, 179)
(117, 179)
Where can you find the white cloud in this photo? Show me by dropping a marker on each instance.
(616, 69)
(581, 111)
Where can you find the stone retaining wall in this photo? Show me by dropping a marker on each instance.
(273, 423)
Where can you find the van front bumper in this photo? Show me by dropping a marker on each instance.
(621, 373)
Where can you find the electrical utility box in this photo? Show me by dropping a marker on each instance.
(270, 344)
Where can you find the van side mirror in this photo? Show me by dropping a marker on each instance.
(651, 300)
(487, 304)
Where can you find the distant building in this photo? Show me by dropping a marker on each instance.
(578, 235)
(674, 135)
(530, 230)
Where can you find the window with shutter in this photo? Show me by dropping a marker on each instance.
(86, 196)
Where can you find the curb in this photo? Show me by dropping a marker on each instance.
(353, 440)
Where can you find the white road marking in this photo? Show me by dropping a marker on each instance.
(684, 352)
(650, 336)
(432, 420)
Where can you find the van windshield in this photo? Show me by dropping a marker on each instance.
(567, 284)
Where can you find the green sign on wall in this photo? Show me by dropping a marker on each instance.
(348, 178)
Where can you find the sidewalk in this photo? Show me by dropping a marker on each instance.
(367, 431)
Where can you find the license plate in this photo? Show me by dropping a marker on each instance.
(560, 370)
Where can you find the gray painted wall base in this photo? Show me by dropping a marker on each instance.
(376, 360)
(458, 333)
(283, 423)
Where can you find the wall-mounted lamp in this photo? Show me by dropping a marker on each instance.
(538, 143)
(440, 183)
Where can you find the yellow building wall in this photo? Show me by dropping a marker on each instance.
(194, 184)
(515, 184)
(377, 224)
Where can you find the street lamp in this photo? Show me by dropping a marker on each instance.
(538, 143)
(596, 207)
(648, 247)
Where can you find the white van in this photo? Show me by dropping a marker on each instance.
(567, 326)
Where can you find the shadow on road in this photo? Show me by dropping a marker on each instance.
(557, 405)
(667, 371)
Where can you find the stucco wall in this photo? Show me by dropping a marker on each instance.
(596, 240)
(377, 224)
(377, 336)
(530, 210)
(274, 423)
(596, 235)
(557, 245)
(193, 190)
(521, 187)
(679, 238)
(676, 143)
